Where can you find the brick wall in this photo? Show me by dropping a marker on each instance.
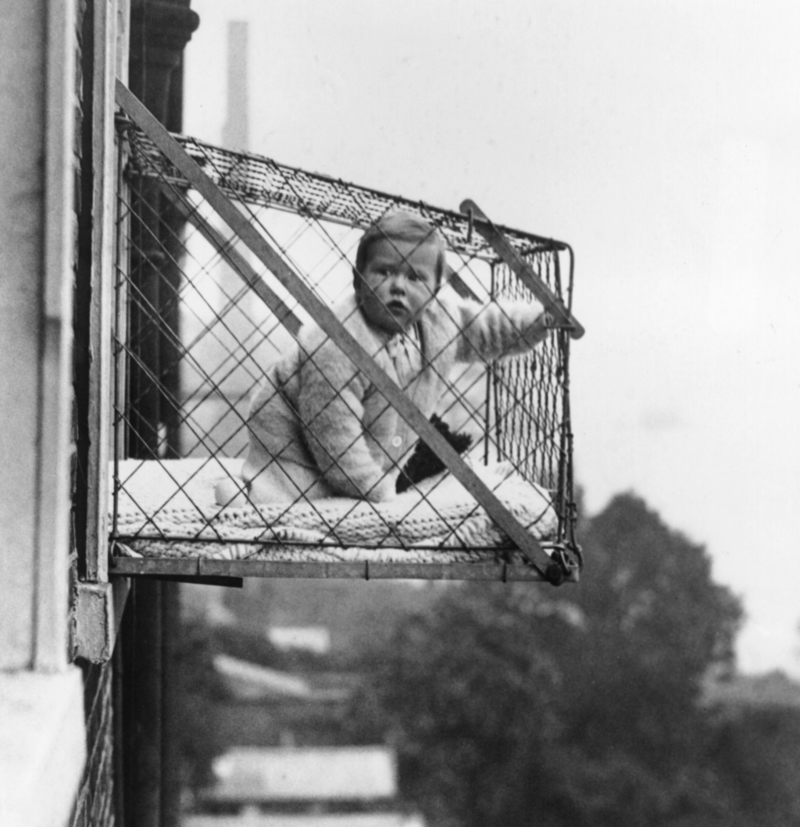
(96, 801)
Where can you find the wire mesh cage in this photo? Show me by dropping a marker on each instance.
(208, 339)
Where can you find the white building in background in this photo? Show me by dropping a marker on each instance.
(276, 775)
(316, 639)
(253, 818)
(353, 786)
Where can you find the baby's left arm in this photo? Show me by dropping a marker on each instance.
(500, 329)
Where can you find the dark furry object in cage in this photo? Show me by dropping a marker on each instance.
(423, 463)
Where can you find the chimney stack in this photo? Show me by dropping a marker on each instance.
(235, 132)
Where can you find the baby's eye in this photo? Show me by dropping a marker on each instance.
(412, 276)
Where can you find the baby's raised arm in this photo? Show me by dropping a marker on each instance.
(499, 329)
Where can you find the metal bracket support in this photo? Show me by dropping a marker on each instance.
(98, 612)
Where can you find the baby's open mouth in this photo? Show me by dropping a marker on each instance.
(397, 306)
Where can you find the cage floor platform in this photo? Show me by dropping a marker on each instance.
(166, 522)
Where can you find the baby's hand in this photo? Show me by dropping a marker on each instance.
(541, 326)
(547, 321)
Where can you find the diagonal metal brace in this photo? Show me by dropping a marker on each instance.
(331, 325)
(552, 303)
(238, 263)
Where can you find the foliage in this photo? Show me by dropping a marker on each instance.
(513, 705)
(755, 756)
(356, 613)
(654, 623)
(199, 688)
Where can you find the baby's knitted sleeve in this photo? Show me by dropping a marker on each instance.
(331, 409)
(499, 329)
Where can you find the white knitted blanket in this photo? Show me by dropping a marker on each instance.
(167, 509)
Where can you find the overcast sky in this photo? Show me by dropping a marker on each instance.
(662, 141)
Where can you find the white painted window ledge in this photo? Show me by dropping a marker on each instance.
(42, 747)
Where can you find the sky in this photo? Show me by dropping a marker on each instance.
(661, 140)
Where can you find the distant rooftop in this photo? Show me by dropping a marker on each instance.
(253, 682)
(249, 680)
(305, 820)
(315, 639)
(275, 774)
(772, 690)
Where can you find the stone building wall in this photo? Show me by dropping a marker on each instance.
(43, 741)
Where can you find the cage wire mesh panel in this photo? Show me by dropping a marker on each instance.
(201, 323)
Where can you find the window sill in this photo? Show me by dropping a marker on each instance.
(42, 747)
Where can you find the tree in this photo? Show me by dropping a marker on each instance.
(521, 704)
(460, 691)
(655, 622)
(754, 753)
(200, 689)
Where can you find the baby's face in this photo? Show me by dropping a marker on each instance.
(398, 281)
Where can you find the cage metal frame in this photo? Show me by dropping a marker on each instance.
(246, 178)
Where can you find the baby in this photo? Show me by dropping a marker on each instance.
(318, 427)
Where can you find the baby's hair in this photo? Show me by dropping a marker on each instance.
(402, 226)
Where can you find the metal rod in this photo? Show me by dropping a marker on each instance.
(514, 260)
(170, 706)
(203, 567)
(255, 179)
(145, 676)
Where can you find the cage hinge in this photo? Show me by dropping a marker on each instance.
(562, 567)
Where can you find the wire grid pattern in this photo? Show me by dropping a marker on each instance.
(530, 398)
(193, 339)
(257, 180)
